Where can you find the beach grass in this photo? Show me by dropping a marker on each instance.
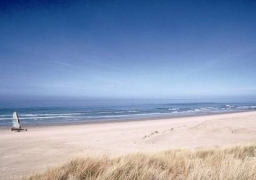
(229, 163)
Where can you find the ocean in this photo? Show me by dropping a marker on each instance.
(36, 113)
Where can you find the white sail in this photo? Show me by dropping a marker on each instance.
(15, 121)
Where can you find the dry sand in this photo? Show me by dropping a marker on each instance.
(37, 149)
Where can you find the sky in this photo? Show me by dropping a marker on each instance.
(128, 49)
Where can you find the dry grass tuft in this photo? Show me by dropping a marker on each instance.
(238, 162)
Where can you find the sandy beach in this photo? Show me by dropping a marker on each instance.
(39, 148)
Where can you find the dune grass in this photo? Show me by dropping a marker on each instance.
(236, 162)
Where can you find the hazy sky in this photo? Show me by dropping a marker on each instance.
(128, 49)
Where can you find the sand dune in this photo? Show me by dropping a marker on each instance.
(41, 147)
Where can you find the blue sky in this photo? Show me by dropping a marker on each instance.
(128, 49)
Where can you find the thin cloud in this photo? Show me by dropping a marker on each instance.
(62, 63)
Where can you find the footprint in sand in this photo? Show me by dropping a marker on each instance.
(146, 136)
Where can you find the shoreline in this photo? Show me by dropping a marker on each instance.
(88, 122)
(24, 153)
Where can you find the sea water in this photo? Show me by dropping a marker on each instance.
(78, 111)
